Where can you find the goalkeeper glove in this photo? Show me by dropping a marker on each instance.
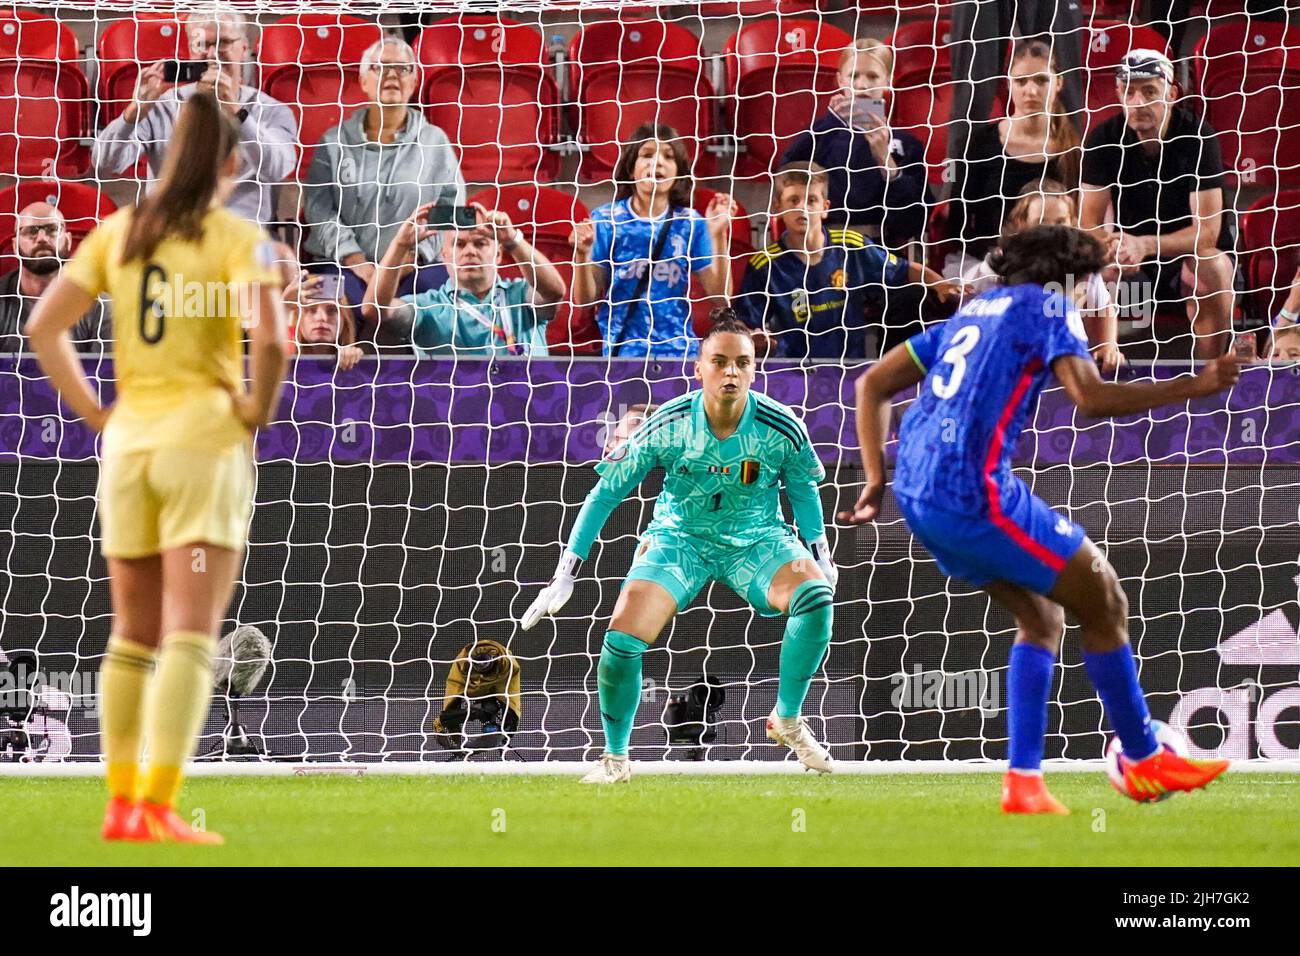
(556, 594)
(821, 552)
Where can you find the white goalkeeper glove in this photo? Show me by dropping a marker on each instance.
(556, 594)
(821, 552)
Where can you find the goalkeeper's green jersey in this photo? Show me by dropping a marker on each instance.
(726, 492)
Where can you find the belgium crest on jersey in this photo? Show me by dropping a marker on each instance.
(748, 471)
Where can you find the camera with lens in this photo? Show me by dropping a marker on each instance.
(20, 701)
(691, 716)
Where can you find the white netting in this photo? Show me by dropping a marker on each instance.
(411, 506)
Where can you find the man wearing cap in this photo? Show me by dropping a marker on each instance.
(1159, 166)
(42, 244)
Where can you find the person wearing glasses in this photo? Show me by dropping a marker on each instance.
(268, 133)
(371, 173)
(42, 245)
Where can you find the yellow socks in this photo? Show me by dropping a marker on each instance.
(122, 680)
(179, 699)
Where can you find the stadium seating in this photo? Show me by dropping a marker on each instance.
(923, 87)
(44, 97)
(311, 63)
(83, 207)
(1270, 245)
(789, 62)
(125, 45)
(546, 217)
(486, 83)
(1249, 81)
(1108, 43)
(623, 74)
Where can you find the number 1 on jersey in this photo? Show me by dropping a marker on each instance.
(962, 343)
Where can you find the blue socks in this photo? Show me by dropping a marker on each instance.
(807, 635)
(1029, 683)
(619, 680)
(1114, 674)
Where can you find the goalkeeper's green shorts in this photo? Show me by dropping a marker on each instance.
(681, 564)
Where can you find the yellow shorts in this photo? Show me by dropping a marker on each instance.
(152, 501)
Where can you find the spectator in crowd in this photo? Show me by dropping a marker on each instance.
(980, 31)
(877, 175)
(1286, 345)
(1035, 141)
(808, 290)
(1159, 167)
(42, 244)
(268, 131)
(632, 419)
(1049, 203)
(373, 170)
(477, 311)
(320, 319)
(633, 259)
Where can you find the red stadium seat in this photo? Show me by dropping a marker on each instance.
(756, 8)
(742, 248)
(790, 62)
(923, 87)
(547, 216)
(624, 74)
(1270, 244)
(83, 207)
(1232, 40)
(486, 83)
(123, 47)
(26, 33)
(312, 62)
(1251, 97)
(1108, 42)
(44, 97)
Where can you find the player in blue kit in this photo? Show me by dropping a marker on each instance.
(726, 453)
(980, 374)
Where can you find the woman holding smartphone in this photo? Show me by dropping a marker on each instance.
(877, 173)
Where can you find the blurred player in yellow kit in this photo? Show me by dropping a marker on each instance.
(176, 480)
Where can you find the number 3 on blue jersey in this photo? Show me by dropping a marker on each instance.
(962, 343)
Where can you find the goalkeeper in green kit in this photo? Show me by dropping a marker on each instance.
(726, 453)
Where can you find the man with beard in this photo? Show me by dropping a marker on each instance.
(42, 243)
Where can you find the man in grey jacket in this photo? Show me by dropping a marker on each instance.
(268, 131)
(371, 172)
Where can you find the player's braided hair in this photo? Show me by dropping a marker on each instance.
(724, 320)
(1048, 255)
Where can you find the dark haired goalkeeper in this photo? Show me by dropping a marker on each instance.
(726, 453)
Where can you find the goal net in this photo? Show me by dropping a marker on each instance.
(411, 506)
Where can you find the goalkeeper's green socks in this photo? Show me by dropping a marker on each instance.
(619, 680)
(807, 635)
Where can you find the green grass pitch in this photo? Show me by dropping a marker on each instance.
(898, 820)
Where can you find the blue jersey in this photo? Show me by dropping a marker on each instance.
(984, 369)
(659, 323)
(817, 310)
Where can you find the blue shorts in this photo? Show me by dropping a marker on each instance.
(1025, 543)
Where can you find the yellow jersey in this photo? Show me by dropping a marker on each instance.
(178, 341)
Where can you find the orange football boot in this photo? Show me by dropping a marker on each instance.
(1165, 772)
(117, 819)
(156, 823)
(1027, 793)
